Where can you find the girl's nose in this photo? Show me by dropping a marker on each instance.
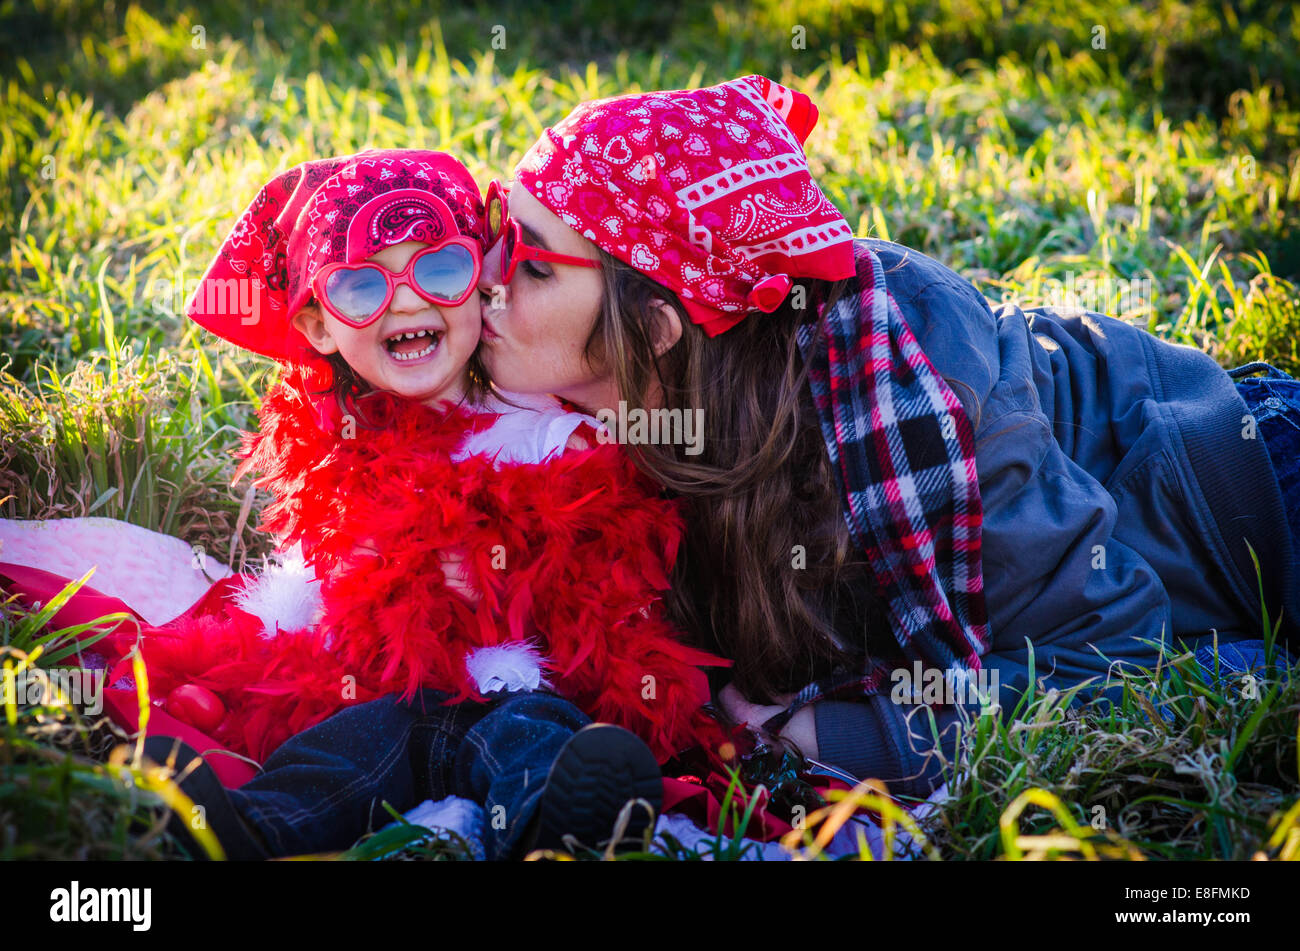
(406, 301)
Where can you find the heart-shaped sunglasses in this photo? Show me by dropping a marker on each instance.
(358, 294)
(500, 226)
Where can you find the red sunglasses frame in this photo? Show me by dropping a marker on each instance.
(396, 279)
(522, 252)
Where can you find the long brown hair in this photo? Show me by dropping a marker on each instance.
(767, 575)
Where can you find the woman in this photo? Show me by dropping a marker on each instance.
(1097, 495)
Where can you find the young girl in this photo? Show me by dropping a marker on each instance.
(461, 555)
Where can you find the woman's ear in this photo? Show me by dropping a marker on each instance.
(668, 326)
(311, 323)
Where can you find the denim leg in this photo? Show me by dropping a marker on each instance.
(1274, 401)
(504, 760)
(323, 788)
(1235, 659)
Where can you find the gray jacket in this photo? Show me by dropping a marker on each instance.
(1120, 491)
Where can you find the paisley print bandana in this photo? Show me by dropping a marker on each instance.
(705, 190)
(339, 209)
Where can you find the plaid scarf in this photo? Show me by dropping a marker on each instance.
(905, 451)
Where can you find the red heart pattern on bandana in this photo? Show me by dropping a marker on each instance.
(711, 188)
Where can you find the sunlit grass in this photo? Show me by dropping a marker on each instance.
(127, 438)
(73, 786)
(996, 137)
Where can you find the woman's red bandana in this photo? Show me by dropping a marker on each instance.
(705, 190)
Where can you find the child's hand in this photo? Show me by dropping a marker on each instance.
(457, 576)
(577, 441)
(364, 555)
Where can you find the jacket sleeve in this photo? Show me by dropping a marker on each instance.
(1055, 576)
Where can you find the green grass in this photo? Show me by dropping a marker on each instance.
(1210, 779)
(997, 137)
(1183, 765)
(71, 786)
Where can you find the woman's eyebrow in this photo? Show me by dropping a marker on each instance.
(533, 238)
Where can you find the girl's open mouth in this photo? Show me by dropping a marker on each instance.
(412, 344)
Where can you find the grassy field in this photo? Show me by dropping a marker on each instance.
(1145, 155)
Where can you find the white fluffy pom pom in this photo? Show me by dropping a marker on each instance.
(284, 597)
(510, 667)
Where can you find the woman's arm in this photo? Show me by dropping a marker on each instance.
(1055, 575)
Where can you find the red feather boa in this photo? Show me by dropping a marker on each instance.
(586, 542)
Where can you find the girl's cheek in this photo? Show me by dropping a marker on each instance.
(469, 314)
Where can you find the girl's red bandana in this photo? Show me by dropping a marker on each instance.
(905, 452)
(338, 209)
(705, 190)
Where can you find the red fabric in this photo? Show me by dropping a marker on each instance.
(701, 802)
(34, 586)
(587, 545)
(331, 210)
(121, 703)
(123, 708)
(705, 190)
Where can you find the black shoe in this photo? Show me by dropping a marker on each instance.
(199, 781)
(595, 775)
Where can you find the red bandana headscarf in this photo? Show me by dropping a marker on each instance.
(338, 209)
(705, 190)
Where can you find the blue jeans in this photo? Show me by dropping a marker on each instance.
(1274, 401)
(323, 788)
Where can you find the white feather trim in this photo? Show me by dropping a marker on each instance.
(511, 667)
(285, 596)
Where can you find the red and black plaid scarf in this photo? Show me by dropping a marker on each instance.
(905, 452)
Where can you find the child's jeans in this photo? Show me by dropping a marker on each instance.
(323, 788)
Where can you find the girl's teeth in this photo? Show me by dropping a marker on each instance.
(414, 356)
(433, 339)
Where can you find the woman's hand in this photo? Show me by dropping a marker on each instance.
(800, 732)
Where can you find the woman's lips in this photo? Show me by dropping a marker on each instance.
(487, 333)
